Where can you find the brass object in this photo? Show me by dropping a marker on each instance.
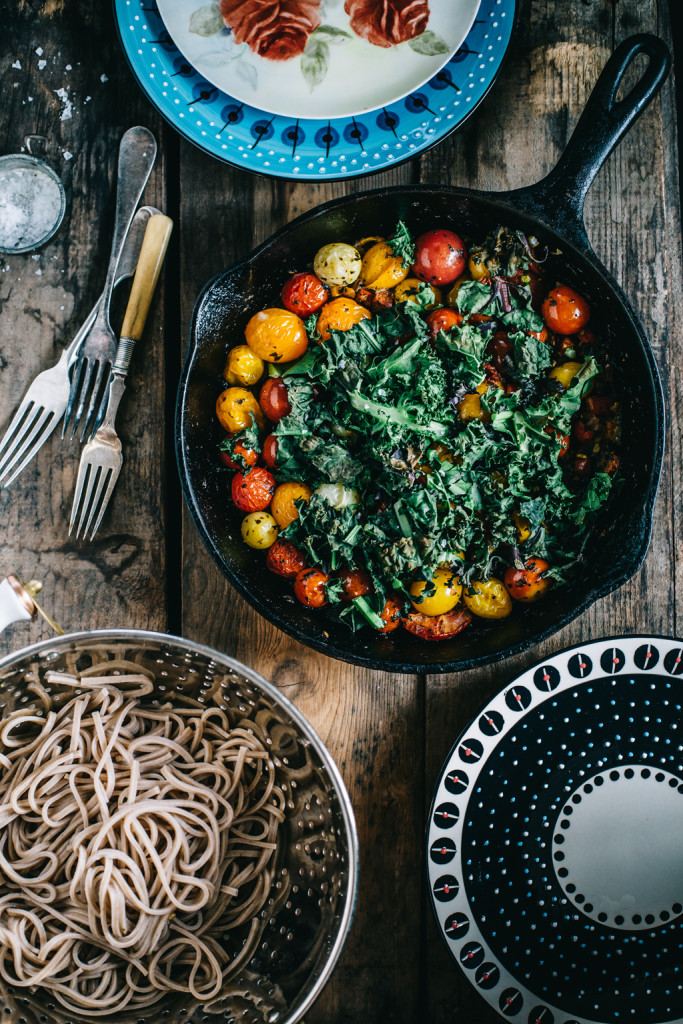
(26, 592)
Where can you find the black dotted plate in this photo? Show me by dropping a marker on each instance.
(555, 846)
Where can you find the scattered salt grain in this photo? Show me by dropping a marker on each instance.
(17, 64)
(67, 106)
(104, 78)
(67, 155)
(68, 67)
(39, 51)
(42, 64)
(87, 99)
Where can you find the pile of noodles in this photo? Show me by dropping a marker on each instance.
(133, 837)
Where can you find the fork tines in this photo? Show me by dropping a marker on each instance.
(28, 429)
(94, 486)
(89, 385)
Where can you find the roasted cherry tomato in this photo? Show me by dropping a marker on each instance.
(253, 491)
(488, 599)
(439, 257)
(270, 451)
(337, 264)
(523, 527)
(437, 627)
(259, 530)
(273, 399)
(283, 508)
(248, 454)
(381, 268)
(581, 432)
(243, 367)
(309, 587)
(564, 311)
(355, 583)
(412, 289)
(339, 315)
(562, 438)
(276, 335)
(442, 320)
(235, 408)
(564, 373)
(391, 615)
(304, 294)
(527, 584)
(284, 559)
(445, 596)
(598, 405)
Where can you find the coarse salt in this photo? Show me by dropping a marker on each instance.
(30, 206)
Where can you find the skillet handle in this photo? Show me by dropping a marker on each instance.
(558, 198)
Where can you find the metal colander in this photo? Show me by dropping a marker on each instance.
(304, 931)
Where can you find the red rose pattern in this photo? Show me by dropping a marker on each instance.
(388, 22)
(275, 29)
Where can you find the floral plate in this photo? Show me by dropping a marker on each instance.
(287, 147)
(310, 58)
(555, 845)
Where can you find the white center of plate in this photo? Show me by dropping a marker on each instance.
(618, 847)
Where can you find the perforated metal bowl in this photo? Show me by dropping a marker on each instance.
(304, 935)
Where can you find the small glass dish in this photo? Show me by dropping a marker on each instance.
(32, 203)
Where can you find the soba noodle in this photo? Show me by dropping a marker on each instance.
(133, 837)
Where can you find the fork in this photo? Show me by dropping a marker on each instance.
(90, 376)
(45, 400)
(102, 457)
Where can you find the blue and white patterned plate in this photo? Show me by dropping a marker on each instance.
(555, 842)
(310, 149)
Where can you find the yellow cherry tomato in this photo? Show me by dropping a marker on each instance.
(523, 526)
(235, 407)
(452, 296)
(469, 408)
(282, 506)
(243, 366)
(259, 530)
(565, 373)
(445, 597)
(489, 600)
(477, 267)
(276, 335)
(337, 264)
(408, 290)
(381, 268)
(339, 315)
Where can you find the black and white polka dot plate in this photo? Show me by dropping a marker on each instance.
(555, 840)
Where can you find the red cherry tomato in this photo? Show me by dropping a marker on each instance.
(527, 584)
(248, 454)
(581, 432)
(391, 614)
(355, 583)
(598, 405)
(273, 399)
(440, 257)
(252, 491)
(437, 627)
(284, 559)
(270, 451)
(564, 311)
(442, 320)
(304, 294)
(562, 438)
(309, 587)
(498, 347)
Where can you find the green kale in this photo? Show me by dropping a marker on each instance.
(402, 245)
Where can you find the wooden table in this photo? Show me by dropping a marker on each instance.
(147, 567)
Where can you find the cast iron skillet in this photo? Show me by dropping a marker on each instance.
(553, 211)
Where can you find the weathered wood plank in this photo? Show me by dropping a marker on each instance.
(63, 77)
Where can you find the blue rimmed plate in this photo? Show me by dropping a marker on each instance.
(310, 150)
(555, 839)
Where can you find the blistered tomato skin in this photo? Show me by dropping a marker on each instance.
(309, 587)
(337, 264)
(259, 530)
(273, 399)
(243, 368)
(381, 268)
(285, 560)
(412, 289)
(445, 597)
(488, 599)
(339, 315)
(284, 509)
(565, 311)
(437, 627)
(276, 335)
(442, 320)
(355, 583)
(248, 454)
(527, 584)
(235, 408)
(391, 615)
(440, 257)
(270, 451)
(304, 294)
(253, 491)
(564, 373)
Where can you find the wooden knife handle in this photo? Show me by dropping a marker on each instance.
(151, 257)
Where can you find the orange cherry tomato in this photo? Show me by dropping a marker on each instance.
(304, 294)
(437, 627)
(527, 584)
(391, 614)
(285, 560)
(273, 399)
(253, 491)
(276, 335)
(564, 311)
(339, 315)
(309, 587)
(284, 510)
(562, 438)
(355, 583)
(442, 320)
(270, 451)
(249, 455)
(440, 257)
